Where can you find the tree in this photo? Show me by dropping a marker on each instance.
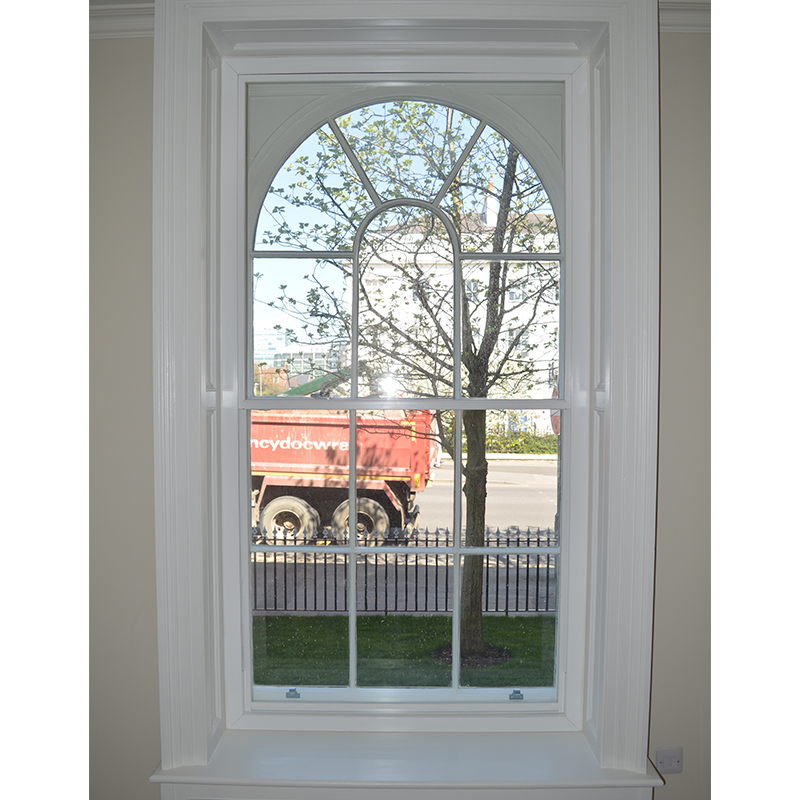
(423, 161)
(268, 380)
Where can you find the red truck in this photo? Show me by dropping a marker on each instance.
(300, 462)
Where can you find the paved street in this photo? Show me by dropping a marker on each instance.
(519, 493)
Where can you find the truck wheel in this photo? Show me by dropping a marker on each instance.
(373, 521)
(291, 514)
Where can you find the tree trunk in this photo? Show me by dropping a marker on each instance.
(475, 473)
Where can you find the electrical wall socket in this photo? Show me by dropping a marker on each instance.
(669, 762)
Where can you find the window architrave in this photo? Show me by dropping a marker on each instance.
(619, 46)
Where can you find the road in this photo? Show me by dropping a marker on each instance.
(518, 493)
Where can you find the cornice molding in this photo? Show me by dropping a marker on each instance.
(129, 20)
(121, 21)
(679, 16)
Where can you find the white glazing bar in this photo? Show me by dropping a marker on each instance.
(342, 139)
(405, 550)
(544, 255)
(455, 648)
(563, 315)
(321, 255)
(266, 403)
(352, 528)
(247, 389)
(244, 553)
(353, 458)
(477, 255)
(460, 163)
(458, 291)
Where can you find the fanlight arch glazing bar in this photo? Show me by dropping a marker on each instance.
(354, 160)
(452, 234)
(459, 163)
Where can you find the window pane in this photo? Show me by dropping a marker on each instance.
(300, 475)
(404, 629)
(510, 328)
(498, 202)
(292, 649)
(396, 453)
(435, 522)
(407, 148)
(301, 327)
(518, 646)
(516, 505)
(316, 200)
(406, 306)
(296, 583)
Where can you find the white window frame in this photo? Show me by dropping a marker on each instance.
(198, 42)
(548, 708)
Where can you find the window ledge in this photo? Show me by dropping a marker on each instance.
(406, 761)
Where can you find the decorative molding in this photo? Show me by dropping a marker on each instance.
(121, 21)
(679, 16)
(130, 20)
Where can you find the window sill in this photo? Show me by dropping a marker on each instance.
(391, 761)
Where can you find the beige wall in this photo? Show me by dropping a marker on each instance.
(124, 684)
(124, 738)
(681, 707)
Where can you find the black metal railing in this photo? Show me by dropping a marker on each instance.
(412, 581)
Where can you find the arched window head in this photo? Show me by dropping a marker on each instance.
(448, 229)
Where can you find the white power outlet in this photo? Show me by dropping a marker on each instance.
(669, 762)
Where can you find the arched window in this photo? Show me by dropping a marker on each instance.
(406, 266)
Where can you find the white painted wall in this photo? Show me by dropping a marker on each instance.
(124, 718)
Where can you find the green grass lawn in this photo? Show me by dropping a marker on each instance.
(397, 650)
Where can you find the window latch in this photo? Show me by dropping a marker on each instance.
(516, 695)
(600, 399)
(292, 693)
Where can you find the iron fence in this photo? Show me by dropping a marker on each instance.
(414, 581)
